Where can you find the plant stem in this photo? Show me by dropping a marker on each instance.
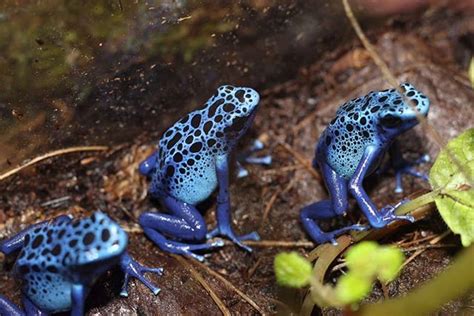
(455, 281)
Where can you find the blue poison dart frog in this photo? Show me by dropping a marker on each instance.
(353, 146)
(192, 160)
(61, 259)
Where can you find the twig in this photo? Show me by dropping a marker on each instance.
(268, 207)
(275, 243)
(204, 284)
(56, 202)
(49, 155)
(420, 251)
(244, 296)
(393, 81)
(301, 160)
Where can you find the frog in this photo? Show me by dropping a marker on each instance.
(60, 259)
(193, 159)
(353, 146)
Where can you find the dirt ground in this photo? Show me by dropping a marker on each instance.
(291, 117)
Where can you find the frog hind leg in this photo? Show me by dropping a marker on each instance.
(185, 222)
(326, 209)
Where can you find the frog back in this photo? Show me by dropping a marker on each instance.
(343, 142)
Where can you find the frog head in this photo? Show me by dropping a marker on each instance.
(398, 114)
(99, 240)
(238, 109)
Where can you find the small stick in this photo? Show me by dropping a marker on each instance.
(218, 276)
(268, 207)
(49, 155)
(204, 284)
(275, 243)
(301, 160)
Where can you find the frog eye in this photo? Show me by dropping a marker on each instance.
(391, 121)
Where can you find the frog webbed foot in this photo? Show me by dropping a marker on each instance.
(132, 268)
(228, 233)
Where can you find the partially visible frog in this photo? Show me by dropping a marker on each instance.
(352, 147)
(60, 260)
(192, 160)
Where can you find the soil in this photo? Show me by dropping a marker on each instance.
(292, 113)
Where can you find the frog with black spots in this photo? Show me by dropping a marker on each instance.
(192, 160)
(353, 146)
(61, 259)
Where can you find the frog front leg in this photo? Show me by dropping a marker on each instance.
(336, 206)
(8, 308)
(387, 214)
(147, 166)
(78, 295)
(403, 166)
(223, 207)
(185, 222)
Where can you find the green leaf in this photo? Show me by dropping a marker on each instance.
(389, 261)
(352, 288)
(471, 72)
(292, 269)
(361, 258)
(456, 199)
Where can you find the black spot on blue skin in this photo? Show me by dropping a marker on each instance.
(356, 116)
(229, 107)
(27, 240)
(415, 101)
(37, 241)
(342, 119)
(196, 120)
(196, 147)
(213, 108)
(411, 93)
(366, 134)
(174, 140)
(170, 132)
(169, 171)
(350, 127)
(363, 120)
(333, 120)
(56, 250)
(182, 170)
(220, 134)
(197, 133)
(240, 95)
(350, 108)
(73, 243)
(183, 121)
(189, 139)
(211, 142)
(88, 239)
(61, 233)
(207, 127)
(229, 97)
(382, 99)
(190, 162)
(397, 101)
(105, 235)
(375, 109)
(52, 269)
(218, 118)
(30, 256)
(178, 157)
(237, 125)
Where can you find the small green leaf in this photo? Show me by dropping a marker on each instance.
(456, 200)
(361, 258)
(292, 269)
(352, 288)
(389, 261)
